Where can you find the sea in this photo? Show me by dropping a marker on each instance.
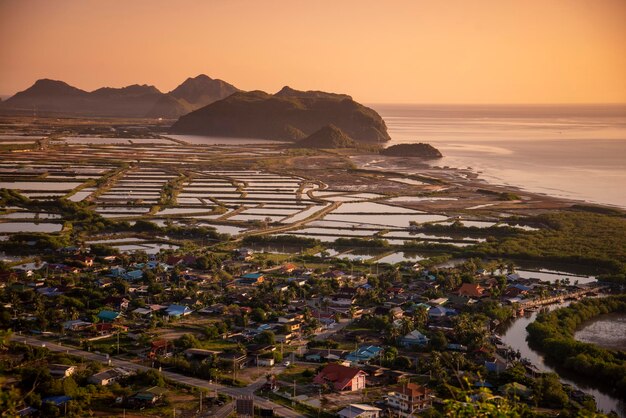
(570, 151)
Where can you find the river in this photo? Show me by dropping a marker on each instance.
(515, 336)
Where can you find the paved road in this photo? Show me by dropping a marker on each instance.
(248, 391)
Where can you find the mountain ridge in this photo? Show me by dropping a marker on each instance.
(135, 100)
(289, 115)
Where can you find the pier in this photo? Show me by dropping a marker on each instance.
(576, 294)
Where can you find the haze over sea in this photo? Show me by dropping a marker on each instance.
(571, 151)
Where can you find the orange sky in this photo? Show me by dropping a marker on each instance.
(450, 51)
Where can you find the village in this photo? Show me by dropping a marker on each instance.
(327, 339)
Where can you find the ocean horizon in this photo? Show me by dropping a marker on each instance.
(569, 151)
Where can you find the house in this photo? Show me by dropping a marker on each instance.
(149, 396)
(290, 317)
(292, 326)
(409, 400)
(49, 291)
(244, 254)
(251, 279)
(117, 302)
(396, 312)
(413, 339)
(281, 288)
(200, 354)
(76, 325)
(473, 290)
(159, 348)
(288, 268)
(341, 377)
(364, 354)
(108, 316)
(142, 312)
(133, 275)
(87, 261)
(56, 400)
(341, 299)
(265, 360)
(356, 410)
(297, 280)
(117, 271)
(496, 366)
(177, 311)
(108, 376)
(61, 370)
(440, 312)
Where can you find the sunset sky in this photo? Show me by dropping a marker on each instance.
(452, 51)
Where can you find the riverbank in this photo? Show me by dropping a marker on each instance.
(514, 334)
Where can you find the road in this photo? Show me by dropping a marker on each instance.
(247, 391)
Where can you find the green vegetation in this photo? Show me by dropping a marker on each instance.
(553, 333)
(281, 239)
(582, 238)
(361, 243)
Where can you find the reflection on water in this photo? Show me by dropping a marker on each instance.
(576, 152)
(608, 331)
(515, 336)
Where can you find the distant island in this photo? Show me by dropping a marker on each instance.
(135, 101)
(421, 150)
(289, 115)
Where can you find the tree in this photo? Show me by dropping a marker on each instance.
(550, 391)
(266, 337)
(187, 341)
(438, 341)
(258, 315)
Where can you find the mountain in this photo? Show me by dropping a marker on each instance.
(135, 101)
(289, 115)
(328, 136)
(52, 95)
(310, 94)
(421, 150)
(202, 90)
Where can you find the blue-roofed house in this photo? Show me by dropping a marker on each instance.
(177, 310)
(117, 271)
(440, 312)
(512, 277)
(108, 316)
(413, 339)
(133, 275)
(57, 400)
(251, 279)
(522, 287)
(496, 366)
(49, 291)
(364, 354)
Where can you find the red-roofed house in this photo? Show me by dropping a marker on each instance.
(473, 290)
(288, 267)
(341, 377)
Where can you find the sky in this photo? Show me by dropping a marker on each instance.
(414, 51)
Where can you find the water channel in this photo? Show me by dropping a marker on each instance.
(515, 337)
